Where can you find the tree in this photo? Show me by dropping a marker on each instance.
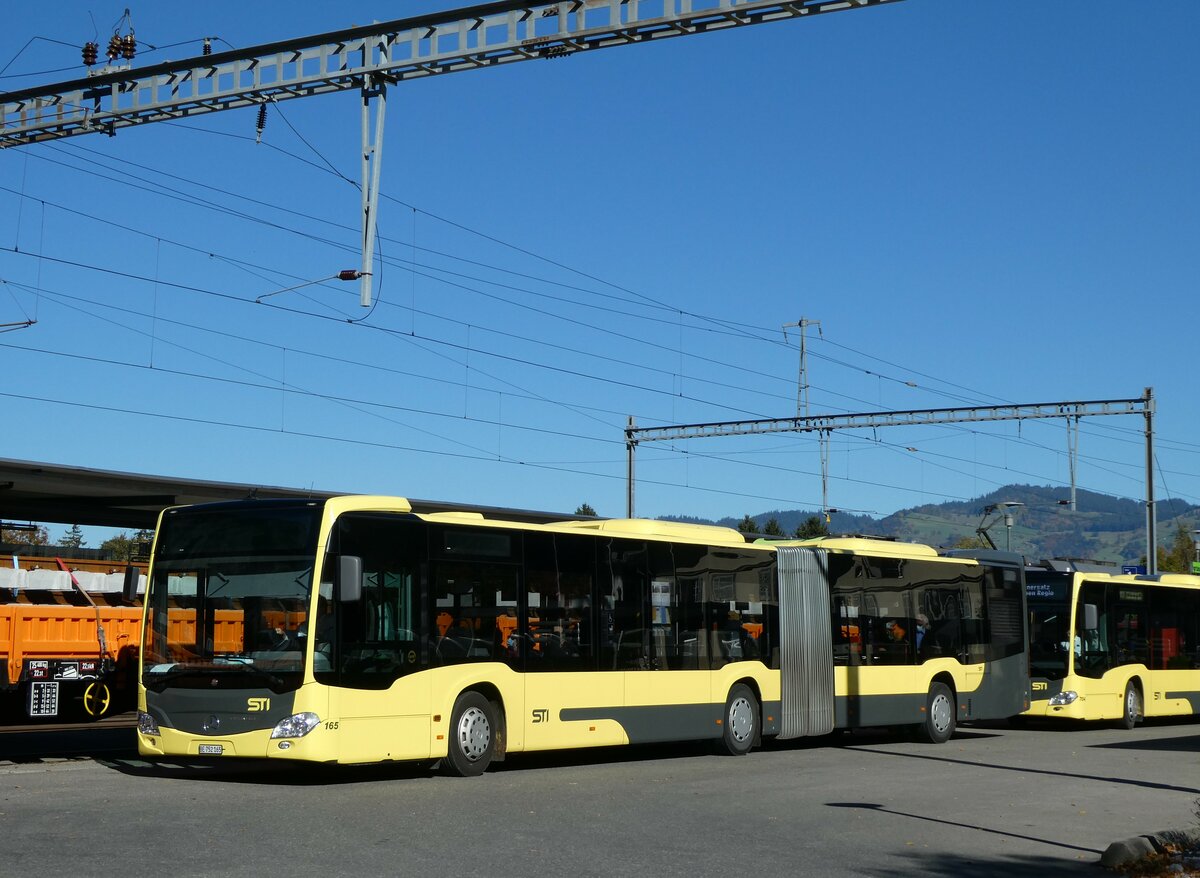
(585, 509)
(811, 527)
(73, 538)
(37, 536)
(120, 547)
(747, 525)
(1178, 559)
(772, 528)
(970, 543)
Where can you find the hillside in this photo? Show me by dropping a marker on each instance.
(1102, 528)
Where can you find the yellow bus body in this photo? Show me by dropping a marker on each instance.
(410, 719)
(1170, 690)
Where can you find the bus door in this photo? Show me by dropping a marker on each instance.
(806, 642)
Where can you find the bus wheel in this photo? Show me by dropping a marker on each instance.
(939, 715)
(741, 721)
(1133, 706)
(97, 699)
(472, 736)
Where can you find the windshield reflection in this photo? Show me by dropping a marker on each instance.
(1047, 597)
(238, 621)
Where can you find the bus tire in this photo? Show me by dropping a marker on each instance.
(472, 736)
(939, 723)
(1132, 710)
(739, 726)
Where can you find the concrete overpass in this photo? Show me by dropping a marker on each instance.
(50, 493)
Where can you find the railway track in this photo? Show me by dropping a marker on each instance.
(127, 720)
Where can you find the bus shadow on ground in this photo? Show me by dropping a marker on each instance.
(1043, 725)
(283, 773)
(1187, 743)
(267, 773)
(868, 737)
(956, 866)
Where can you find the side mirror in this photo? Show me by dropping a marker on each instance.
(1091, 617)
(129, 588)
(350, 568)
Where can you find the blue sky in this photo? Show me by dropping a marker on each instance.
(980, 201)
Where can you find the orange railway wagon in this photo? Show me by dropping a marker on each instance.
(68, 640)
(51, 653)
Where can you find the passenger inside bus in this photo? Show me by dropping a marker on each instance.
(919, 631)
(456, 642)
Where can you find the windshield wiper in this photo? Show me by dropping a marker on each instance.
(162, 678)
(274, 683)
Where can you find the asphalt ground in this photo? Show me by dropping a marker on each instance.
(994, 801)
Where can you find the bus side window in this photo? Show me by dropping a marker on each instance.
(555, 633)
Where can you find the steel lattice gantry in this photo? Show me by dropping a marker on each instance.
(823, 424)
(369, 58)
(447, 42)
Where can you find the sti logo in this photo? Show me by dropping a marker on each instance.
(541, 715)
(257, 705)
(1039, 687)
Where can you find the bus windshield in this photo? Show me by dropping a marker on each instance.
(228, 597)
(1049, 632)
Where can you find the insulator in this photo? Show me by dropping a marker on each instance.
(349, 274)
(91, 52)
(128, 47)
(207, 50)
(114, 48)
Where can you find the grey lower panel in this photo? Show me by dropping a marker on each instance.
(644, 725)
(862, 711)
(771, 718)
(1004, 691)
(1043, 689)
(1193, 698)
(218, 712)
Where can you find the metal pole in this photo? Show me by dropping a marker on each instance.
(802, 378)
(1073, 453)
(630, 445)
(802, 384)
(372, 156)
(1151, 513)
(823, 439)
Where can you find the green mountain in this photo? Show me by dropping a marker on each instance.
(1102, 528)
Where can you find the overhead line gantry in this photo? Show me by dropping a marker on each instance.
(825, 424)
(369, 58)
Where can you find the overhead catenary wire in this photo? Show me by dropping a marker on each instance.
(149, 278)
(891, 378)
(851, 366)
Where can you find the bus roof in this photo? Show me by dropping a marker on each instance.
(886, 548)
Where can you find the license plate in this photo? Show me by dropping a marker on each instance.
(212, 749)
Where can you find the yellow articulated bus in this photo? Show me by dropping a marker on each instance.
(1109, 646)
(355, 630)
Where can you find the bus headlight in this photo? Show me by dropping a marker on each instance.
(296, 726)
(1063, 698)
(146, 724)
